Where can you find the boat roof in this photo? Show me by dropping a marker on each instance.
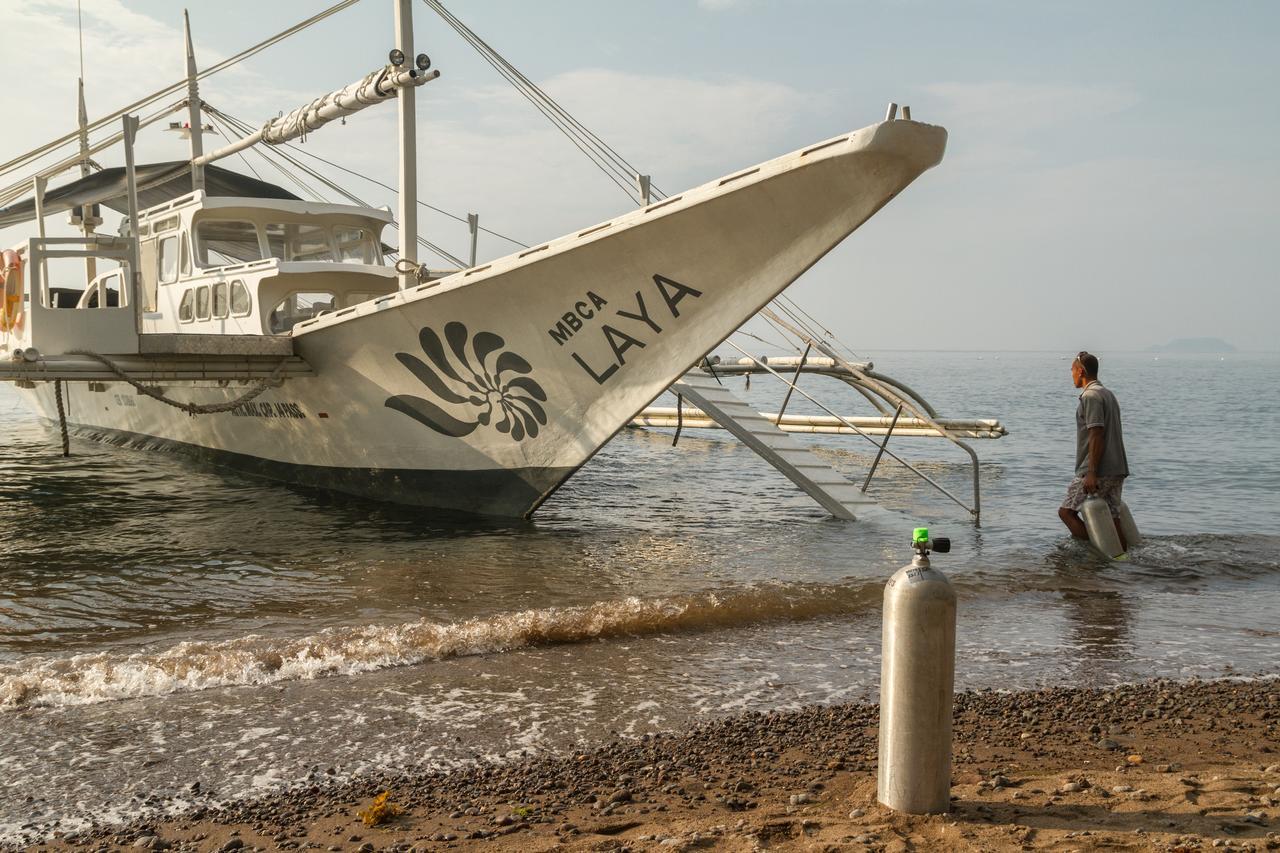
(157, 184)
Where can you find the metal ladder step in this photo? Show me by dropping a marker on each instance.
(816, 478)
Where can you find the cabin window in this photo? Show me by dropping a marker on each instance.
(185, 306)
(202, 302)
(240, 302)
(222, 242)
(292, 241)
(296, 307)
(355, 245)
(220, 300)
(169, 223)
(185, 265)
(169, 259)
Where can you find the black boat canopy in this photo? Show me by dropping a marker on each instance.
(157, 183)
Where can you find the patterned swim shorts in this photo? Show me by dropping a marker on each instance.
(1109, 489)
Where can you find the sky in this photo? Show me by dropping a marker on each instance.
(1112, 178)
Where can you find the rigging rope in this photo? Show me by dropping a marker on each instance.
(241, 127)
(18, 188)
(213, 118)
(35, 154)
(390, 188)
(340, 190)
(605, 158)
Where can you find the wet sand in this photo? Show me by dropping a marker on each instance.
(1158, 766)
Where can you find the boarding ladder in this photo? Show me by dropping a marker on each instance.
(819, 480)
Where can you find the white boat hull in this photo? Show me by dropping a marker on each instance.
(485, 391)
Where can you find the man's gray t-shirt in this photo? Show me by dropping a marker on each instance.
(1099, 408)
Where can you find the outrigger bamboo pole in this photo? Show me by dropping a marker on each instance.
(373, 88)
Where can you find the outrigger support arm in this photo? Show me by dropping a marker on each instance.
(374, 88)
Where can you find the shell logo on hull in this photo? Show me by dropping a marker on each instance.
(481, 383)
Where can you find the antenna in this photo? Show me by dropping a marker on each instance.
(80, 28)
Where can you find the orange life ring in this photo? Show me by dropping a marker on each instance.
(11, 302)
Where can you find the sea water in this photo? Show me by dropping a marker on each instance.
(163, 623)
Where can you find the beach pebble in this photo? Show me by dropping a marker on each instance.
(856, 813)
(1107, 743)
(1122, 789)
(799, 799)
(999, 781)
(1071, 788)
(232, 844)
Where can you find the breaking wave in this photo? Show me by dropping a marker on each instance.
(256, 660)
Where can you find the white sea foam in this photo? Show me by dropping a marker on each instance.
(256, 660)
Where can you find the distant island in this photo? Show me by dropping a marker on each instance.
(1193, 345)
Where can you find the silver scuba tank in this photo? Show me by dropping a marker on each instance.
(1128, 527)
(1101, 527)
(917, 679)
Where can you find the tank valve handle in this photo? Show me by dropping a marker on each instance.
(923, 544)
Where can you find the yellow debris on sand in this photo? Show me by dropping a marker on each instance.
(380, 810)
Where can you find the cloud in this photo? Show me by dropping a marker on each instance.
(1026, 107)
(483, 148)
(1009, 116)
(717, 5)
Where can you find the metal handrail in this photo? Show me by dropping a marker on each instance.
(974, 511)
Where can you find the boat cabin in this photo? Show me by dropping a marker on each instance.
(244, 257)
(244, 266)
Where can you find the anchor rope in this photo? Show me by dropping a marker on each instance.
(158, 394)
(62, 417)
(679, 419)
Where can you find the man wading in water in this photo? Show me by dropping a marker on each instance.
(1101, 464)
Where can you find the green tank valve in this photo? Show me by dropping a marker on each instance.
(920, 536)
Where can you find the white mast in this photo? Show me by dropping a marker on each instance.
(193, 109)
(407, 213)
(87, 220)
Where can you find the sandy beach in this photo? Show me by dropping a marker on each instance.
(1158, 766)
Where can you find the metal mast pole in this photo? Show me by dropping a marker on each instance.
(87, 222)
(134, 289)
(193, 109)
(407, 212)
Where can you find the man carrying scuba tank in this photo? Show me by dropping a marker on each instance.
(1101, 463)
